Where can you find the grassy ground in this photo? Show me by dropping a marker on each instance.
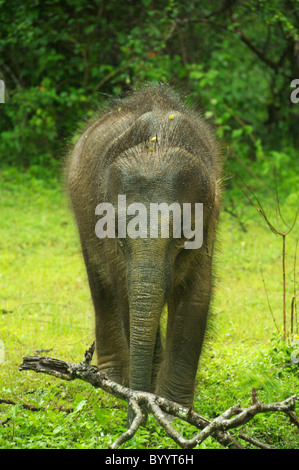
(45, 305)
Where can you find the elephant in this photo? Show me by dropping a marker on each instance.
(149, 148)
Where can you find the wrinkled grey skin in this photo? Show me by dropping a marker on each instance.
(131, 280)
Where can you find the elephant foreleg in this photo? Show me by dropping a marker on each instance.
(186, 328)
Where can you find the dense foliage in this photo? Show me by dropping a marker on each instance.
(61, 59)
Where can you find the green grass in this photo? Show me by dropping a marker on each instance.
(45, 305)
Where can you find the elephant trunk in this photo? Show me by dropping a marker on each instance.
(147, 281)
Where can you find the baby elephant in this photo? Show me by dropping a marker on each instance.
(143, 180)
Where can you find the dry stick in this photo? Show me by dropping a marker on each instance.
(69, 371)
(111, 75)
(295, 295)
(29, 406)
(295, 285)
(292, 313)
(284, 283)
(159, 406)
(225, 420)
(26, 406)
(133, 428)
(249, 170)
(284, 234)
(89, 373)
(255, 442)
(261, 211)
(278, 203)
(247, 414)
(269, 305)
(163, 421)
(283, 256)
(254, 396)
(293, 418)
(215, 425)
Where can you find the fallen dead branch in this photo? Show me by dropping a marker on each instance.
(30, 407)
(160, 407)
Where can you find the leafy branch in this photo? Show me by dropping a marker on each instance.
(160, 407)
(234, 26)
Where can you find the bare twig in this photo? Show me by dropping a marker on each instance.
(236, 29)
(293, 303)
(133, 428)
(254, 396)
(254, 201)
(171, 30)
(160, 407)
(249, 170)
(112, 74)
(164, 422)
(30, 407)
(89, 373)
(293, 418)
(233, 212)
(88, 354)
(254, 442)
(294, 306)
(26, 406)
(269, 305)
